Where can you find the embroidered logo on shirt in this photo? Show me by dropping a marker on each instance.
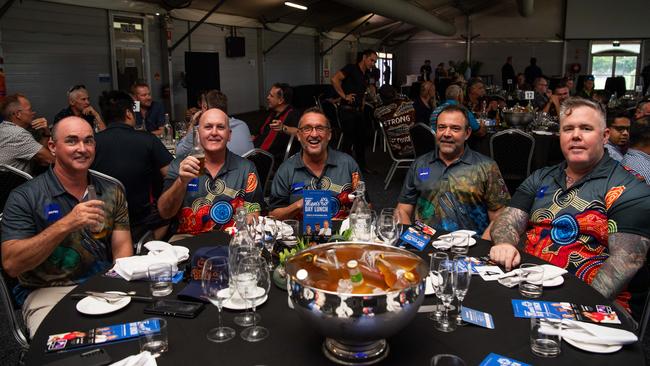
(221, 212)
(423, 173)
(251, 182)
(53, 212)
(193, 185)
(297, 187)
(542, 192)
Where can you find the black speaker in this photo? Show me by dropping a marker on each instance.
(235, 46)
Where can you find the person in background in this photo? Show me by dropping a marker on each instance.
(522, 85)
(560, 94)
(587, 91)
(280, 123)
(618, 124)
(542, 93)
(152, 114)
(386, 75)
(475, 95)
(508, 78)
(54, 236)
(532, 71)
(568, 80)
(425, 70)
(19, 149)
(425, 103)
(642, 109)
(637, 157)
(453, 187)
(599, 232)
(454, 96)
(79, 105)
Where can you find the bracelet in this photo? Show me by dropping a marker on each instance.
(284, 129)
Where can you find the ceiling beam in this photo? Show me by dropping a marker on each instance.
(196, 25)
(287, 34)
(347, 34)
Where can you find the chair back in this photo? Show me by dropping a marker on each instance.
(109, 178)
(512, 149)
(146, 237)
(10, 178)
(393, 152)
(293, 147)
(423, 138)
(264, 162)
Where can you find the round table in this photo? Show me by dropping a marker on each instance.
(293, 342)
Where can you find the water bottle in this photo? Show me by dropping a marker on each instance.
(168, 132)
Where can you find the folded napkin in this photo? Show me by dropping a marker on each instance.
(135, 267)
(512, 278)
(142, 359)
(285, 230)
(441, 244)
(592, 333)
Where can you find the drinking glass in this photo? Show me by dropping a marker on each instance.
(532, 280)
(270, 232)
(253, 283)
(461, 278)
(295, 225)
(460, 243)
(361, 224)
(434, 264)
(215, 281)
(446, 293)
(236, 256)
(388, 226)
(152, 334)
(545, 336)
(447, 360)
(160, 277)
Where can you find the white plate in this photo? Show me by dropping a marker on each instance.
(472, 241)
(590, 347)
(557, 281)
(237, 303)
(91, 305)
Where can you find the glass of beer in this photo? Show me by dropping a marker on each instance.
(197, 150)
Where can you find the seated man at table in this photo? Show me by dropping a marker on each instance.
(453, 187)
(204, 195)
(79, 105)
(454, 96)
(152, 114)
(279, 124)
(147, 157)
(637, 157)
(542, 94)
(560, 94)
(316, 167)
(587, 91)
(618, 124)
(587, 215)
(642, 109)
(425, 102)
(19, 148)
(50, 235)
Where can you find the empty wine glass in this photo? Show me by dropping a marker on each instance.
(253, 284)
(434, 264)
(270, 232)
(388, 226)
(446, 293)
(447, 360)
(461, 278)
(215, 281)
(236, 257)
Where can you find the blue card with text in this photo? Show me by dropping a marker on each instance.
(477, 317)
(316, 213)
(494, 359)
(416, 238)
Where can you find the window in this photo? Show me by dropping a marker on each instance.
(609, 59)
(385, 66)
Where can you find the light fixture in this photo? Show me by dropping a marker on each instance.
(616, 44)
(294, 5)
(158, 14)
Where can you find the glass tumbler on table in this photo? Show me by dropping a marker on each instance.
(388, 226)
(160, 276)
(460, 243)
(532, 280)
(545, 334)
(152, 334)
(215, 282)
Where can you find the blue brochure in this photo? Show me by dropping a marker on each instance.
(494, 359)
(477, 317)
(565, 310)
(317, 215)
(415, 238)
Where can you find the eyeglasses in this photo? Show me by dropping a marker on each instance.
(308, 129)
(76, 87)
(621, 128)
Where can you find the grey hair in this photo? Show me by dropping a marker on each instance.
(453, 92)
(73, 94)
(571, 103)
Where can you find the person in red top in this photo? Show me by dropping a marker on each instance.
(279, 124)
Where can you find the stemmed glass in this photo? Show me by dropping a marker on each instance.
(215, 281)
(388, 226)
(253, 283)
(461, 278)
(235, 256)
(436, 259)
(446, 294)
(270, 232)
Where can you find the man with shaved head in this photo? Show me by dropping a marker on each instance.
(79, 106)
(54, 235)
(204, 198)
(587, 215)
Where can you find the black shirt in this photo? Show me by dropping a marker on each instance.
(355, 82)
(67, 112)
(134, 158)
(422, 111)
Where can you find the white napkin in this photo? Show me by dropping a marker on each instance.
(135, 267)
(285, 230)
(441, 244)
(345, 224)
(512, 278)
(142, 359)
(596, 334)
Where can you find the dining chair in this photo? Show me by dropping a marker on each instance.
(423, 138)
(398, 162)
(264, 163)
(10, 178)
(109, 178)
(146, 237)
(512, 150)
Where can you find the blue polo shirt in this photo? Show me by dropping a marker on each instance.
(155, 117)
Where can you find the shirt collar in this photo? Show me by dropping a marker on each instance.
(329, 162)
(601, 170)
(466, 158)
(57, 188)
(121, 125)
(229, 164)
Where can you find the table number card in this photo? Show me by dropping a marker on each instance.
(529, 95)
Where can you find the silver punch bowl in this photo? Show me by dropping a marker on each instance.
(355, 326)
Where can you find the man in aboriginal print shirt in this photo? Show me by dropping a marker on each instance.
(316, 167)
(205, 199)
(587, 215)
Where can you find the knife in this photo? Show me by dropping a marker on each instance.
(114, 296)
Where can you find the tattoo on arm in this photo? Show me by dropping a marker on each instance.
(627, 253)
(509, 226)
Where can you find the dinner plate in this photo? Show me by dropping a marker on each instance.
(590, 347)
(472, 241)
(557, 281)
(91, 305)
(237, 303)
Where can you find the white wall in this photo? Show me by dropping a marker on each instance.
(604, 19)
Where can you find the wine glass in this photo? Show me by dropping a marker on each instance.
(215, 282)
(253, 284)
(434, 264)
(461, 278)
(270, 232)
(236, 255)
(447, 360)
(446, 293)
(388, 226)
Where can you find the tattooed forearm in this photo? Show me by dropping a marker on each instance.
(509, 226)
(627, 253)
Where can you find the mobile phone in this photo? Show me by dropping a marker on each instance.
(96, 357)
(181, 309)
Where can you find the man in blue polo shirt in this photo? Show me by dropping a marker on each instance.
(453, 187)
(152, 114)
(316, 167)
(204, 198)
(587, 215)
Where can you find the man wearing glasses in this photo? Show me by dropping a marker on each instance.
(453, 187)
(19, 148)
(316, 167)
(79, 106)
(619, 135)
(54, 236)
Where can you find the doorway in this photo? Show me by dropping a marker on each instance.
(201, 74)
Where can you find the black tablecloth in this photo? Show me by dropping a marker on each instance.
(293, 342)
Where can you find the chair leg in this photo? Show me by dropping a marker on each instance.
(338, 145)
(390, 175)
(384, 143)
(374, 141)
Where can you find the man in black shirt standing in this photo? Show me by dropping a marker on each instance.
(350, 84)
(508, 73)
(425, 70)
(133, 157)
